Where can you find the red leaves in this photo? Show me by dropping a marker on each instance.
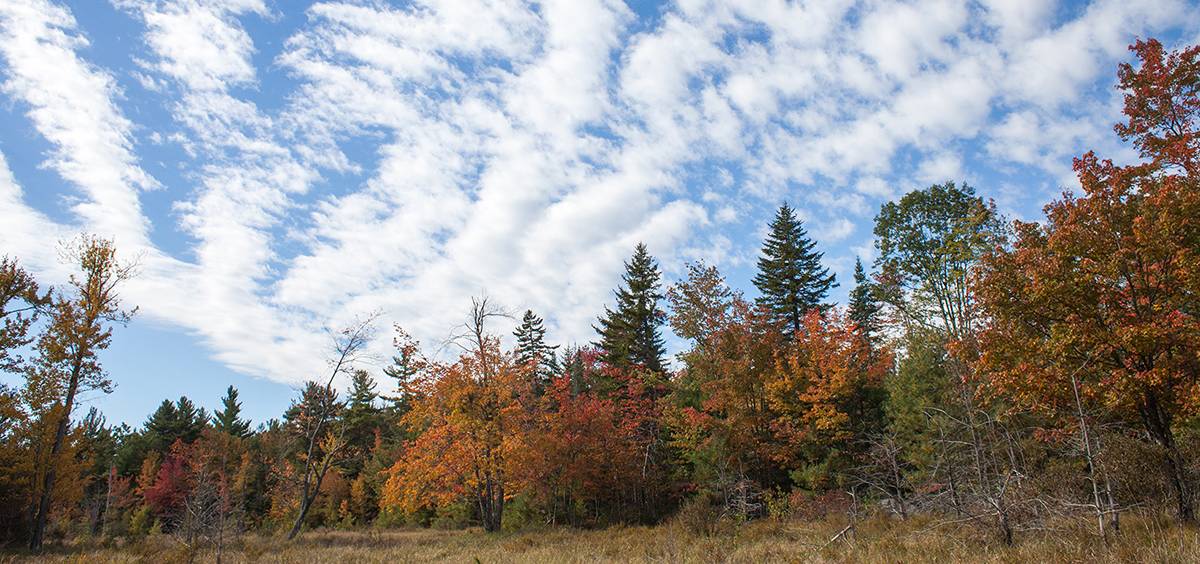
(167, 494)
(1162, 102)
(1110, 283)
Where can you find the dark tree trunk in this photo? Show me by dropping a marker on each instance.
(1158, 424)
(60, 434)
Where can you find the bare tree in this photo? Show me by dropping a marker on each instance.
(1102, 503)
(209, 516)
(472, 336)
(885, 473)
(322, 446)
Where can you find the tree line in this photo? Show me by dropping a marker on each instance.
(1004, 373)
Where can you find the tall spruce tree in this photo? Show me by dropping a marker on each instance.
(533, 350)
(631, 334)
(790, 276)
(362, 418)
(864, 306)
(229, 420)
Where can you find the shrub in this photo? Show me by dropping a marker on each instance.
(700, 515)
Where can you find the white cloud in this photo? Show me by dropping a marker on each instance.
(522, 149)
(70, 103)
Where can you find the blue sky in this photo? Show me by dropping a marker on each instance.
(279, 168)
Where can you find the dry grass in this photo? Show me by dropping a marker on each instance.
(1142, 539)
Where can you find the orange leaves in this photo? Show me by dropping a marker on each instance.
(483, 434)
(819, 378)
(1108, 287)
(465, 414)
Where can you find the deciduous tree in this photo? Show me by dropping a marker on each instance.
(80, 327)
(1109, 282)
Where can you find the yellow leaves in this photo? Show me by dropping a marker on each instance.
(465, 414)
(826, 368)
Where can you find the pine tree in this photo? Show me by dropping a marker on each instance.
(631, 334)
(406, 364)
(864, 307)
(362, 418)
(790, 276)
(181, 420)
(228, 420)
(362, 390)
(533, 350)
(572, 368)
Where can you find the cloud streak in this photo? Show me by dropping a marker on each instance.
(426, 153)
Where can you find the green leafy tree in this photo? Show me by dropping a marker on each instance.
(929, 243)
(632, 333)
(791, 279)
(229, 420)
(931, 246)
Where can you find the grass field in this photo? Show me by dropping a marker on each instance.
(1142, 539)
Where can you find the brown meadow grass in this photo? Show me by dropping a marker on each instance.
(1143, 538)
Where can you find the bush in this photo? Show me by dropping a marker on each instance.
(520, 513)
(457, 515)
(700, 515)
(141, 522)
(809, 506)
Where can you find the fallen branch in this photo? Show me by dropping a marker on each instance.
(837, 536)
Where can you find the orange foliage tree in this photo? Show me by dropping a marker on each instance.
(720, 417)
(81, 320)
(465, 416)
(1108, 289)
(825, 394)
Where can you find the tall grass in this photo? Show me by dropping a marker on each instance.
(1143, 538)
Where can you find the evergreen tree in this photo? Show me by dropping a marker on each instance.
(790, 276)
(181, 420)
(631, 334)
(532, 349)
(362, 418)
(864, 307)
(572, 367)
(362, 391)
(406, 364)
(227, 420)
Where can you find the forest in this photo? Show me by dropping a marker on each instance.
(1014, 380)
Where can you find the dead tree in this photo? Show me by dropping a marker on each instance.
(209, 518)
(885, 472)
(322, 446)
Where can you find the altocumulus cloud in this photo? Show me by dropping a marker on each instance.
(347, 157)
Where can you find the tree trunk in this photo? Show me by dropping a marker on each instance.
(304, 505)
(307, 496)
(1183, 494)
(60, 435)
(491, 505)
(1158, 424)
